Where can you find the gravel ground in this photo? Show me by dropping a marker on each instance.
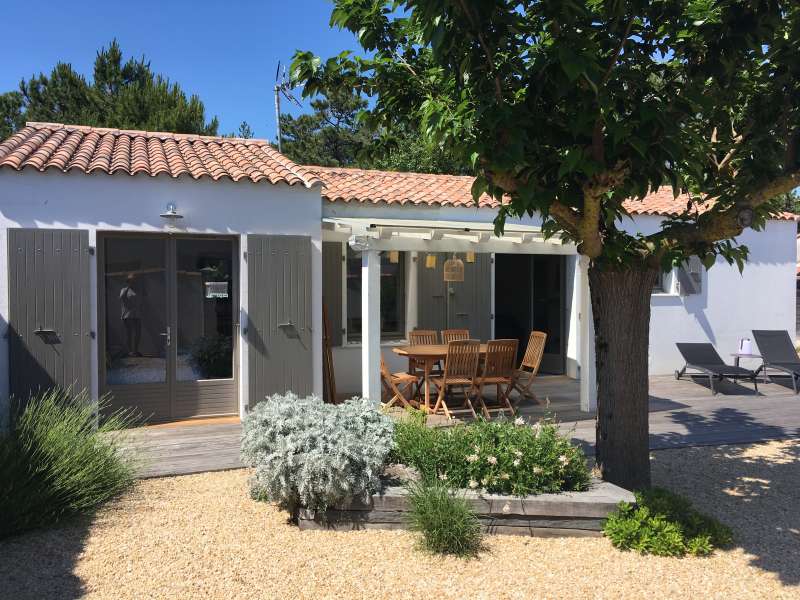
(200, 536)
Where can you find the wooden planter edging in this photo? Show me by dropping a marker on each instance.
(575, 514)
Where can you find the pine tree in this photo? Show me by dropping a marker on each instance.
(123, 93)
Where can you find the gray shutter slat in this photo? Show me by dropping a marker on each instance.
(279, 292)
(690, 277)
(332, 266)
(431, 295)
(49, 289)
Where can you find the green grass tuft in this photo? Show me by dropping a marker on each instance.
(446, 521)
(57, 462)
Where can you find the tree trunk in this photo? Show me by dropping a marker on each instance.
(621, 311)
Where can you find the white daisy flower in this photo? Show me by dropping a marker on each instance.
(516, 462)
(519, 421)
(492, 460)
(537, 470)
(443, 476)
(472, 484)
(472, 458)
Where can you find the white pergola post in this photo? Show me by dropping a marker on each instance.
(371, 325)
(588, 378)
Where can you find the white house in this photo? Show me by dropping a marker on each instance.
(186, 275)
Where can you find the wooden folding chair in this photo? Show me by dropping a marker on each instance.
(498, 370)
(460, 369)
(451, 335)
(422, 337)
(396, 385)
(529, 367)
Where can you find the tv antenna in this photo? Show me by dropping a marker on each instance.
(283, 86)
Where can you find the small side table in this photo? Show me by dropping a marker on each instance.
(737, 356)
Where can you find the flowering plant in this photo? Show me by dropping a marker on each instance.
(507, 457)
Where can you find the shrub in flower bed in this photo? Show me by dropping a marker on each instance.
(445, 520)
(664, 524)
(314, 455)
(504, 457)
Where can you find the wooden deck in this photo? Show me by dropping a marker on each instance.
(682, 413)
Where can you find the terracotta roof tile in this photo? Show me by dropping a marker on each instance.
(373, 187)
(341, 184)
(44, 146)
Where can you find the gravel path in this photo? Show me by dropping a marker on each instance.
(200, 536)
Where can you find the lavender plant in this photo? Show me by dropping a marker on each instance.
(314, 455)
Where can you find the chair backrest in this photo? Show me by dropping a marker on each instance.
(451, 335)
(462, 359)
(534, 351)
(699, 353)
(500, 358)
(775, 346)
(420, 337)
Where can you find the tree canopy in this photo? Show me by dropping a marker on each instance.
(125, 94)
(569, 108)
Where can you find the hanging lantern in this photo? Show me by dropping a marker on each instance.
(430, 261)
(454, 269)
(394, 256)
(470, 257)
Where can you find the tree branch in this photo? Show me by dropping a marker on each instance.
(498, 88)
(617, 53)
(724, 225)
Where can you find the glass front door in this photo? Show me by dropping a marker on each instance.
(169, 325)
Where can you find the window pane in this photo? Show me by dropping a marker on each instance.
(205, 309)
(392, 296)
(136, 310)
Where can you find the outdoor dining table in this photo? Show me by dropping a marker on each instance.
(428, 355)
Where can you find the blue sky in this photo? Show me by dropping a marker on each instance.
(225, 52)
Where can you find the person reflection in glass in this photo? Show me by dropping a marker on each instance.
(130, 304)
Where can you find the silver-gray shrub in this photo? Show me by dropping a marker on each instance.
(314, 455)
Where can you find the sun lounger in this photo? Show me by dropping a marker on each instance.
(704, 358)
(778, 352)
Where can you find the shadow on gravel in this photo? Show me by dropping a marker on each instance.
(40, 565)
(753, 489)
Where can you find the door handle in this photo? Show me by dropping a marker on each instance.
(167, 334)
(287, 324)
(48, 336)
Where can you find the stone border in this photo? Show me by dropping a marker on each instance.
(574, 514)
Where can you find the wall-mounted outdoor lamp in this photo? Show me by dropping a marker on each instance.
(171, 215)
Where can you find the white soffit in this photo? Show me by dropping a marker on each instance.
(440, 236)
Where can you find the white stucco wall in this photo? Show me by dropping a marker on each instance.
(730, 305)
(101, 202)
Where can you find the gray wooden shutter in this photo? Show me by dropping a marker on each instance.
(49, 322)
(461, 305)
(332, 266)
(280, 296)
(471, 299)
(431, 295)
(690, 277)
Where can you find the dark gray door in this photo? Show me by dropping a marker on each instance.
(530, 294)
(169, 315)
(455, 305)
(49, 328)
(279, 315)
